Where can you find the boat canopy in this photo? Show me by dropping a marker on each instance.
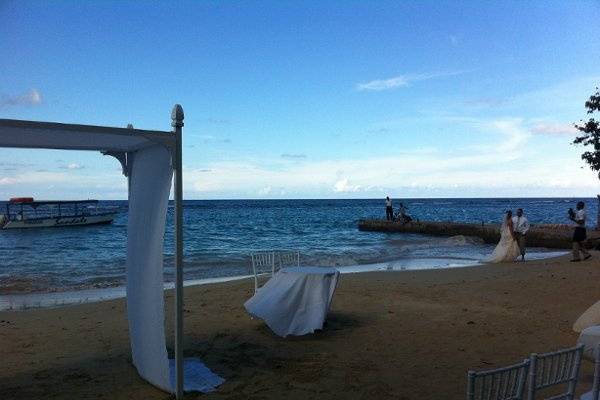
(30, 202)
(149, 159)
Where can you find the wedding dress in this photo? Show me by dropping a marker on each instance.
(507, 249)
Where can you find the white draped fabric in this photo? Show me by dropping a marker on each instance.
(295, 301)
(590, 339)
(150, 182)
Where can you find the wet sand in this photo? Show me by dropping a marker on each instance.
(396, 335)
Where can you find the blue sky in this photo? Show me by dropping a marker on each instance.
(309, 99)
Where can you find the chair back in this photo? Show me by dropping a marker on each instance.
(506, 383)
(288, 259)
(553, 369)
(262, 263)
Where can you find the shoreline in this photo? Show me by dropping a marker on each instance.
(27, 301)
(382, 325)
(34, 300)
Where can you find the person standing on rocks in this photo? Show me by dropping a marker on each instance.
(520, 227)
(389, 210)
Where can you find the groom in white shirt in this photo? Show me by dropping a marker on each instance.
(520, 227)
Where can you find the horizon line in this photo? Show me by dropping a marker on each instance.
(356, 198)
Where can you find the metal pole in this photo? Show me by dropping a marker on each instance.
(177, 124)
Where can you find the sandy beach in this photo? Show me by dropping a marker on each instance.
(397, 335)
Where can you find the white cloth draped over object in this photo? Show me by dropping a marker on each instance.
(295, 301)
(149, 187)
(591, 317)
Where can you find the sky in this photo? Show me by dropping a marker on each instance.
(337, 99)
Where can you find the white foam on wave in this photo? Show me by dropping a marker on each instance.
(414, 264)
(411, 265)
(461, 240)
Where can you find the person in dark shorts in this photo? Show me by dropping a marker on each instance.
(389, 210)
(579, 235)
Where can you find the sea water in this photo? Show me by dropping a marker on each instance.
(220, 235)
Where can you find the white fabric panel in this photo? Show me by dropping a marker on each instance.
(295, 301)
(589, 338)
(587, 396)
(150, 184)
(590, 317)
(198, 378)
(49, 135)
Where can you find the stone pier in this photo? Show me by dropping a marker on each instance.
(553, 236)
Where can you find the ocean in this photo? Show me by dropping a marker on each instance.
(219, 236)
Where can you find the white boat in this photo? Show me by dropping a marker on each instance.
(24, 212)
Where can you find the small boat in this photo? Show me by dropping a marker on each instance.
(25, 212)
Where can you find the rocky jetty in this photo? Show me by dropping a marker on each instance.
(554, 236)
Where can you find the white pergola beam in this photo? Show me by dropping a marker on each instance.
(58, 136)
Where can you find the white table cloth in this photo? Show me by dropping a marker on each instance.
(295, 301)
(590, 338)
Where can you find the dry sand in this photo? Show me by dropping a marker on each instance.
(397, 335)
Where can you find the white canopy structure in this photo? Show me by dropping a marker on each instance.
(149, 159)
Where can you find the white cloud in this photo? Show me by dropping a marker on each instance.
(35, 177)
(265, 191)
(343, 186)
(7, 181)
(514, 132)
(31, 98)
(290, 156)
(505, 166)
(45, 184)
(401, 80)
(55, 176)
(563, 98)
(553, 129)
(74, 166)
(384, 84)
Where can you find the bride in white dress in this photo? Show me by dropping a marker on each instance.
(508, 247)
